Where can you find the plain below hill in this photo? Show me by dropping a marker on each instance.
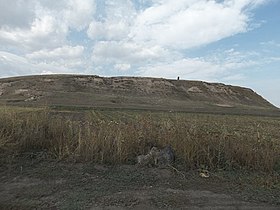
(90, 91)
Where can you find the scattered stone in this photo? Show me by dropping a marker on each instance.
(157, 157)
(204, 173)
(194, 89)
(21, 91)
(166, 156)
(144, 160)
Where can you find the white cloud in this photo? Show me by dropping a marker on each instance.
(153, 38)
(14, 65)
(73, 13)
(43, 32)
(187, 68)
(47, 72)
(232, 59)
(79, 13)
(128, 52)
(185, 24)
(122, 66)
(122, 32)
(225, 65)
(234, 77)
(47, 27)
(16, 13)
(109, 30)
(65, 56)
(115, 23)
(64, 52)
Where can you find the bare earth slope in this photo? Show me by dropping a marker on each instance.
(132, 93)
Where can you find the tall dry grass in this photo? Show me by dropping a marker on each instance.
(218, 142)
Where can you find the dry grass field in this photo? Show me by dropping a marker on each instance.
(242, 154)
(216, 141)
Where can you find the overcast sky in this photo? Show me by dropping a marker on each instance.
(230, 41)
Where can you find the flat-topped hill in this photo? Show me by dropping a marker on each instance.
(131, 93)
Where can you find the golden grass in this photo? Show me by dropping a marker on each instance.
(215, 141)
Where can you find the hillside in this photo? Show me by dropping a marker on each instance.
(131, 93)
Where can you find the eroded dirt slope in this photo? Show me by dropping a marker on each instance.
(130, 92)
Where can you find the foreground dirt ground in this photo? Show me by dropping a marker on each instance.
(33, 184)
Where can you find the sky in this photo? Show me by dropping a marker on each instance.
(234, 42)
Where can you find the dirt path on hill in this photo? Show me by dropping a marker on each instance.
(53, 185)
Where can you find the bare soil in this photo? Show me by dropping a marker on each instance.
(36, 184)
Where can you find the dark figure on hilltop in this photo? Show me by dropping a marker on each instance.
(178, 78)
